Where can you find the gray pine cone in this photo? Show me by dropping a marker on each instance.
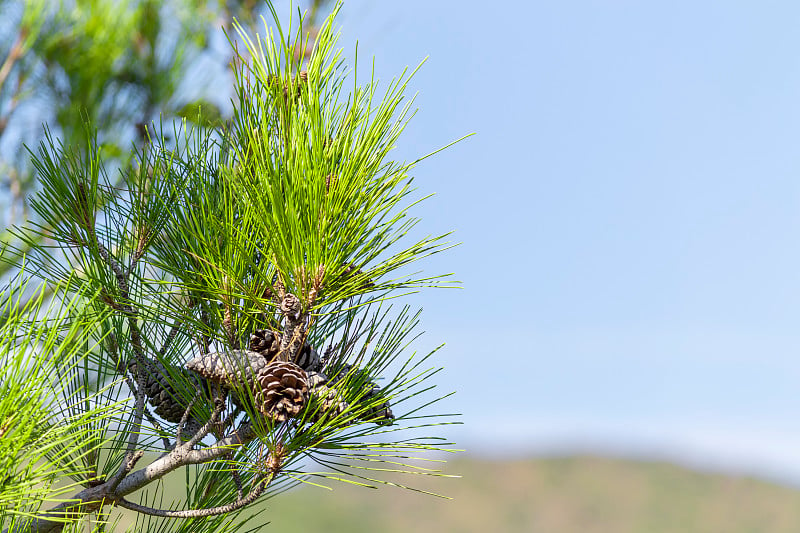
(328, 403)
(308, 359)
(167, 402)
(332, 403)
(228, 368)
(378, 413)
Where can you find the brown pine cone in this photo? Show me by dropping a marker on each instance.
(266, 342)
(281, 390)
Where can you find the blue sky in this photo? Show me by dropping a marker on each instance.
(629, 210)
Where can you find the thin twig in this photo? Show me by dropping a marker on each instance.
(185, 456)
(203, 431)
(125, 468)
(231, 418)
(13, 55)
(184, 419)
(197, 513)
(12, 106)
(173, 332)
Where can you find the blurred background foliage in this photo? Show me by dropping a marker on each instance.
(119, 65)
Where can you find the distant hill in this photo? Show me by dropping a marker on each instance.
(571, 495)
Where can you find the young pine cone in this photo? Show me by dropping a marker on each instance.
(281, 390)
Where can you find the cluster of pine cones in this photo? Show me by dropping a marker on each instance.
(279, 390)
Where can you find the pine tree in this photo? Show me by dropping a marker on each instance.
(223, 306)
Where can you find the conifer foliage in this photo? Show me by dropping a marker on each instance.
(224, 308)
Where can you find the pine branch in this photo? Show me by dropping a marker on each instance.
(219, 404)
(91, 499)
(293, 334)
(297, 195)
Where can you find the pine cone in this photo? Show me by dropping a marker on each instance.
(346, 377)
(281, 390)
(228, 368)
(290, 305)
(267, 343)
(315, 379)
(167, 402)
(329, 403)
(381, 413)
(308, 359)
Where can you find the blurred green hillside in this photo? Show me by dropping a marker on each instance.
(571, 495)
(568, 495)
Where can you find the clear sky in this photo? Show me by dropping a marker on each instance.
(630, 217)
